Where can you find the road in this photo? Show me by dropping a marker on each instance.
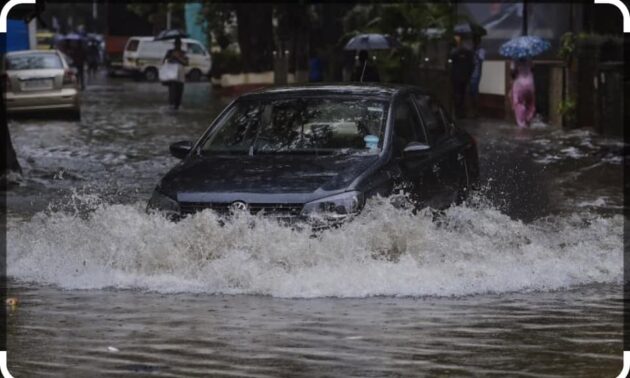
(525, 277)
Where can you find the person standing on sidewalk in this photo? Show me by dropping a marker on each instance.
(461, 59)
(365, 72)
(479, 55)
(176, 87)
(523, 94)
(77, 53)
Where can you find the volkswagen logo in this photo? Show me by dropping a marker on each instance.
(238, 206)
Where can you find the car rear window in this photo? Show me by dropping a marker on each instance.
(133, 45)
(33, 61)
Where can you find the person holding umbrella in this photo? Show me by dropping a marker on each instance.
(363, 43)
(364, 71)
(73, 47)
(523, 93)
(479, 55)
(462, 64)
(176, 56)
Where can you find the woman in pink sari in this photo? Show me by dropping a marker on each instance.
(523, 93)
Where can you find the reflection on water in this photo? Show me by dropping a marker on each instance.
(525, 278)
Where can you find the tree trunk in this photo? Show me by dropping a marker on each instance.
(255, 36)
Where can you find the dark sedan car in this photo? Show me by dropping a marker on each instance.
(318, 152)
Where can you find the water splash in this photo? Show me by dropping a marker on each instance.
(469, 249)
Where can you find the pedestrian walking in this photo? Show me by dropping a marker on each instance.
(93, 57)
(77, 53)
(479, 55)
(523, 92)
(462, 63)
(364, 71)
(176, 57)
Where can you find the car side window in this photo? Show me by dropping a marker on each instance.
(432, 118)
(195, 49)
(407, 127)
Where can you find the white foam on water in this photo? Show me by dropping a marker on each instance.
(385, 251)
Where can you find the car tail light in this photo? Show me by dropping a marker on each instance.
(69, 78)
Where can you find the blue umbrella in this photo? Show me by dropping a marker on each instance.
(524, 47)
(371, 42)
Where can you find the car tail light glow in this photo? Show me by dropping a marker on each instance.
(69, 78)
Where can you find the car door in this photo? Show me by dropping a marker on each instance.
(417, 176)
(449, 161)
(198, 57)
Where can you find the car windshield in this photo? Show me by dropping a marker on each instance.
(300, 125)
(33, 62)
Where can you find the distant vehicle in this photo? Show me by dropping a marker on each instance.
(36, 80)
(114, 49)
(45, 40)
(144, 55)
(318, 152)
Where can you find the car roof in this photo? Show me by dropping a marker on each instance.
(152, 39)
(350, 89)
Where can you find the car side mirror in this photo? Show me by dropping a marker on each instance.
(181, 149)
(416, 147)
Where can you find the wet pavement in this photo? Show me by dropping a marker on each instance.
(525, 279)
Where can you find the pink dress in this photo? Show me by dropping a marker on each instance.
(523, 94)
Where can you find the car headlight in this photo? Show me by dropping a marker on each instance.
(336, 207)
(164, 204)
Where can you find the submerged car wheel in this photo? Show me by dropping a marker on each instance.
(150, 74)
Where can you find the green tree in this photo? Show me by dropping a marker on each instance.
(156, 14)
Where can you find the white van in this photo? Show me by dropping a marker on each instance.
(144, 55)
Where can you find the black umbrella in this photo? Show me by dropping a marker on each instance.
(171, 34)
(371, 42)
(466, 28)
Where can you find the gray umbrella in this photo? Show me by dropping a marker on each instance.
(171, 34)
(372, 42)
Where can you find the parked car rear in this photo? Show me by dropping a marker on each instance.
(40, 80)
(143, 56)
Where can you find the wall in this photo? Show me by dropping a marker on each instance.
(493, 77)
(17, 35)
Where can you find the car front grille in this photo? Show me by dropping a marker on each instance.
(266, 209)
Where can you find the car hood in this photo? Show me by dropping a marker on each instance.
(262, 178)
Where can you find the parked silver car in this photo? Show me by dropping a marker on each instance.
(39, 80)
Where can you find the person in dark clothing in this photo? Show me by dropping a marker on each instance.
(176, 87)
(77, 53)
(364, 71)
(315, 71)
(462, 65)
(93, 54)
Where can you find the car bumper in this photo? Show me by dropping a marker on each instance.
(67, 98)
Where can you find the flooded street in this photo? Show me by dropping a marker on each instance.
(525, 279)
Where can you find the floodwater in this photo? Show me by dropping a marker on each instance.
(523, 280)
